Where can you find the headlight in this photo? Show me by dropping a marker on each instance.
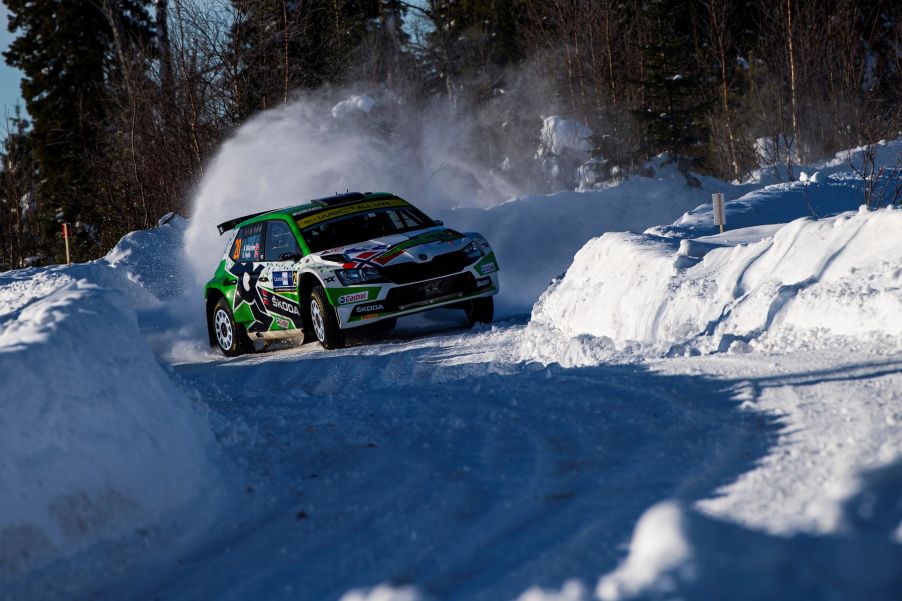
(350, 277)
(472, 250)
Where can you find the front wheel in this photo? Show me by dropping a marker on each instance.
(480, 310)
(230, 337)
(324, 320)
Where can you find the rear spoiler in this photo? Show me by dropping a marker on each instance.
(228, 225)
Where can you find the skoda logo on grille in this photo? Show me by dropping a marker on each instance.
(422, 257)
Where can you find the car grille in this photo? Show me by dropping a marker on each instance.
(439, 266)
(447, 287)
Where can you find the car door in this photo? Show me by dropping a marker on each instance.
(278, 281)
(247, 266)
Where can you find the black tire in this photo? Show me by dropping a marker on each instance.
(231, 338)
(324, 321)
(480, 310)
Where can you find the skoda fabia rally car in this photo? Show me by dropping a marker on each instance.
(338, 263)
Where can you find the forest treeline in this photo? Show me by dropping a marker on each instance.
(128, 99)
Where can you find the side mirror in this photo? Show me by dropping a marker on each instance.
(289, 257)
(438, 222)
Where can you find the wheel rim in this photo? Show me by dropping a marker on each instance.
(316, 316)
(223, 326)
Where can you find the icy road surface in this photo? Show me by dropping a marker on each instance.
(442, 462)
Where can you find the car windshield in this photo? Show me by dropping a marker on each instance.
(367, 225)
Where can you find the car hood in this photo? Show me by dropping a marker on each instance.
(419, 246)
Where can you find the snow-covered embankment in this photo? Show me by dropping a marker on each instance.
(97, 440)
(805, 284)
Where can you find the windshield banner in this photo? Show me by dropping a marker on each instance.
(350, 210)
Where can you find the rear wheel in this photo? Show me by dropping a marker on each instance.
(230, 337)
(324, 320)
(480, 310)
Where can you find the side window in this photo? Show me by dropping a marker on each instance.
(248, 244)
(280, 241)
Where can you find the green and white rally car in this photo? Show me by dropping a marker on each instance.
(341, 262)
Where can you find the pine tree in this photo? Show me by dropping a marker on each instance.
(673, 102)
(279, 46)
(68, 57)
(473, 41)
(19, 228)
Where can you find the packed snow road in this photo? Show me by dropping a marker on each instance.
(435, 461)
(683, 414)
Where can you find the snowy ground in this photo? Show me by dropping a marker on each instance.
(572, 455)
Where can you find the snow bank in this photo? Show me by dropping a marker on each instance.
(811, 282)
(146, 266)
(97, 441)
(535, 237)
(823, 188)
(821, 196)
(153, 259)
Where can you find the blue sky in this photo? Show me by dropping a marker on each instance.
(9, 77)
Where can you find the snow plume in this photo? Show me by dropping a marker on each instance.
(324, 143)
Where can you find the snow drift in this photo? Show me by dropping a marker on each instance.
(97, 440)
(536, 236)
(809, 283)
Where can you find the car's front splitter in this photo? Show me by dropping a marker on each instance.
(399, 300)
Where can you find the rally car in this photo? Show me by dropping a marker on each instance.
(341, 262)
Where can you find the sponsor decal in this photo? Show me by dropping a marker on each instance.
(425, 238)
(375, 308)
(390, 253)
(350, 210)
(330, 279)
(353, 298)
(262, 303)
(376, 246)
(283, 305)
(307, 210)
(283, 323)
(284, 279)
(488, 268)
(483, 282)
(250, 295)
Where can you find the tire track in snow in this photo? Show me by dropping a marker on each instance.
(425, 461)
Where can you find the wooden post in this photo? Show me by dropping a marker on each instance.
(67, 229)
(720, 215)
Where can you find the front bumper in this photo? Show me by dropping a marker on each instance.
(395, 300)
